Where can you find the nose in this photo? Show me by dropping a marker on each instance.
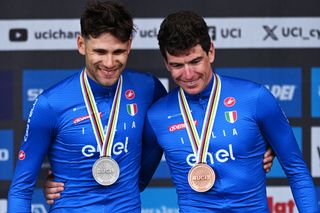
(187, 72)
(109, 61)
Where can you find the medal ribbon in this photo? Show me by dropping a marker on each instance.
(200, 146)
(104, 141)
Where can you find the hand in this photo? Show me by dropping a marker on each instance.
(52, 189)
(268, 159)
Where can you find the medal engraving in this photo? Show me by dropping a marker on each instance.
(201, 177)
(105, 171)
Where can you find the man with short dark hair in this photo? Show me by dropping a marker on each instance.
(221, 129)
(91, 124)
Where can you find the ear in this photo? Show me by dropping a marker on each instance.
(211, 53)
(81, 45)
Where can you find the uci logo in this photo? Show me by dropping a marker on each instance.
(117, 149)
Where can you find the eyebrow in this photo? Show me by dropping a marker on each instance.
(191, 61)
(119, 50)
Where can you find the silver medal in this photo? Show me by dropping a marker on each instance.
(105, 171)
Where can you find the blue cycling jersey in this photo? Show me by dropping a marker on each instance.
(60, 126)
(248, 119)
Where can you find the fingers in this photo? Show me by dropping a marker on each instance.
(50, 202)
(55, 189)
(51, 184)
(52, 193)
(268, 156)
(52, 189)
(268, 153)
(267, 160)
(267, 167)
(51, 197)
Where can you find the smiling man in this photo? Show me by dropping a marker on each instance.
(90, 125)
(225, 125)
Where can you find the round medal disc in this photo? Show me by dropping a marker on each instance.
(201, 177)
(105, 171)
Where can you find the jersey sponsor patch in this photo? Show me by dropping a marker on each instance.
(130, 94)
(229, 101)
(132, 109)
(82, 118)
(179, 126)
(22, 155)
(231, 116)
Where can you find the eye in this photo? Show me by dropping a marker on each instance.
(100, 51)
(119, 51)
(177, 66)
(195, 61)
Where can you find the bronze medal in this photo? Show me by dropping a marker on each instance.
(105, 171)
(201, 177)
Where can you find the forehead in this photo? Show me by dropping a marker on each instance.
(106, 40)
(189, 55)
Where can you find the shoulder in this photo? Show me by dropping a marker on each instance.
(165, 103)
(63, 87)
(58, 93)
(144, 83)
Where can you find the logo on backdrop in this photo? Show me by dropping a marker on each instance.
(315, 92)
(18, 34)
(36, 81)
(280, 199)
(224, 32)
(260, 32)
(270, 34)
(212, 32)
(286, 90)
(274, 32)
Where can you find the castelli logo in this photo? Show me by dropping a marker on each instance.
(130, 94)
(22, 155)
(179, 126)
(229, 101)
(82, 118)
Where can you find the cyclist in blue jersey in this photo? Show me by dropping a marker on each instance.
(214, 129)
(91, 123)
(122, 196)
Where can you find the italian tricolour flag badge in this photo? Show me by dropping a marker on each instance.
(231, 116)
(132, 109)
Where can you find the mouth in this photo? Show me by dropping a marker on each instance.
(191, 83)
(109, 72)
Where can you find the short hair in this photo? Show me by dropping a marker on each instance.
(181, 31)
(106, 17)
